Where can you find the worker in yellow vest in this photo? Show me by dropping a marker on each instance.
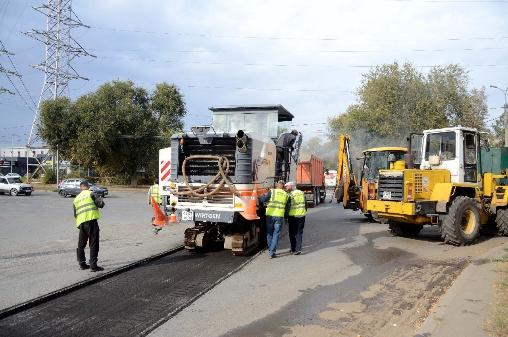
(153, 192)
(296, 219)
(275, 212)
(86, 211)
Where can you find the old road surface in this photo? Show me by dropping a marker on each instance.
(353, 278)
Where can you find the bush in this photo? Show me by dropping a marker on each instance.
(49, 177)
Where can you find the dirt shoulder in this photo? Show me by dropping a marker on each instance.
(498, 323)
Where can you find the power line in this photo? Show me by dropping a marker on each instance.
(266, 37)
(20, 78)
(276, 65)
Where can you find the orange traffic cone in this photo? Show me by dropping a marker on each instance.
(160, 219)
(172, 218)
(250, 212)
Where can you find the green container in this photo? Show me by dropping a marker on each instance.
(495, 161)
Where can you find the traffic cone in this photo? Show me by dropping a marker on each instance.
(160, 219)
(172, 217)
(250, 212)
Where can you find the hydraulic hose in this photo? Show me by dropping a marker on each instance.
(221, 178)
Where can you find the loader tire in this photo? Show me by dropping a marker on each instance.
(502, 221)
(404, 230)
(461, 225)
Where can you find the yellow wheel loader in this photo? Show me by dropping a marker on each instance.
(453, 184)
(348, 191)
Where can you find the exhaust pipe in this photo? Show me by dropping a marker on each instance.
(241, 141)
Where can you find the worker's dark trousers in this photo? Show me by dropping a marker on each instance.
(296, 225)
(88, 231)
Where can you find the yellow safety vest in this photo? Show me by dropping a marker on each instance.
(297, 204)
(277, 203)
(86, 209)
(154, 192)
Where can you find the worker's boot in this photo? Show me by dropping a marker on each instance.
(94, 267)
(84, 266)
(81, 259)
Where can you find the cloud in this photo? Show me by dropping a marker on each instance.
(304, 55)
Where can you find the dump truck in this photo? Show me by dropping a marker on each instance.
(353, 191)
(211, 176)
(451, 182)
(311, 180)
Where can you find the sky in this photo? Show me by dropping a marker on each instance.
(308, 56)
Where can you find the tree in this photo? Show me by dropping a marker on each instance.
(169, 108)
(117, 129)
(394, 100)
(326, 150)
(58, 124)
(498, 131)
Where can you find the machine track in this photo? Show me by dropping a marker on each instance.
(131, 303)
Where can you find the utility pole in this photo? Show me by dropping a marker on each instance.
(12, 150)
(505, 112)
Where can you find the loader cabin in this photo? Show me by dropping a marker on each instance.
(379, 158)
(455, 149)
(262, 120)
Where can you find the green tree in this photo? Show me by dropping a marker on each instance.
(58, 124)
(394, 100)
(117, 129)
(498, 131)
(168, 108)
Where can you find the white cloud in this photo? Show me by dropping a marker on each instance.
(236, 45)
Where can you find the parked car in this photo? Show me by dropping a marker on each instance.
(13, 175)
(14, 186)
(70, 188)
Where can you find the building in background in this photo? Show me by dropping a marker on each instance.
(14, 159)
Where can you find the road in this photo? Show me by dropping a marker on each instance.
(352, 279)
(38, 241)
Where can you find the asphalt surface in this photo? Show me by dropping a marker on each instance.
(38, 240)
(46, 217)
(130, 304)
(353, 278)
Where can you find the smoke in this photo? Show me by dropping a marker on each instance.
(324, 148)
(362, 140)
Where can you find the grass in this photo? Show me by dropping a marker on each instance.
(500, 319)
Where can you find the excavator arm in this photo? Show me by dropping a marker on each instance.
(346, 190)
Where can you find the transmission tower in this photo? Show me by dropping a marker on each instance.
(61, 50)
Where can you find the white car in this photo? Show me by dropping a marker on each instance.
(12, 175)
(14, 186)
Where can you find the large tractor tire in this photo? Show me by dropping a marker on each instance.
(502, 221)
(461, 226)
(405, 230)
